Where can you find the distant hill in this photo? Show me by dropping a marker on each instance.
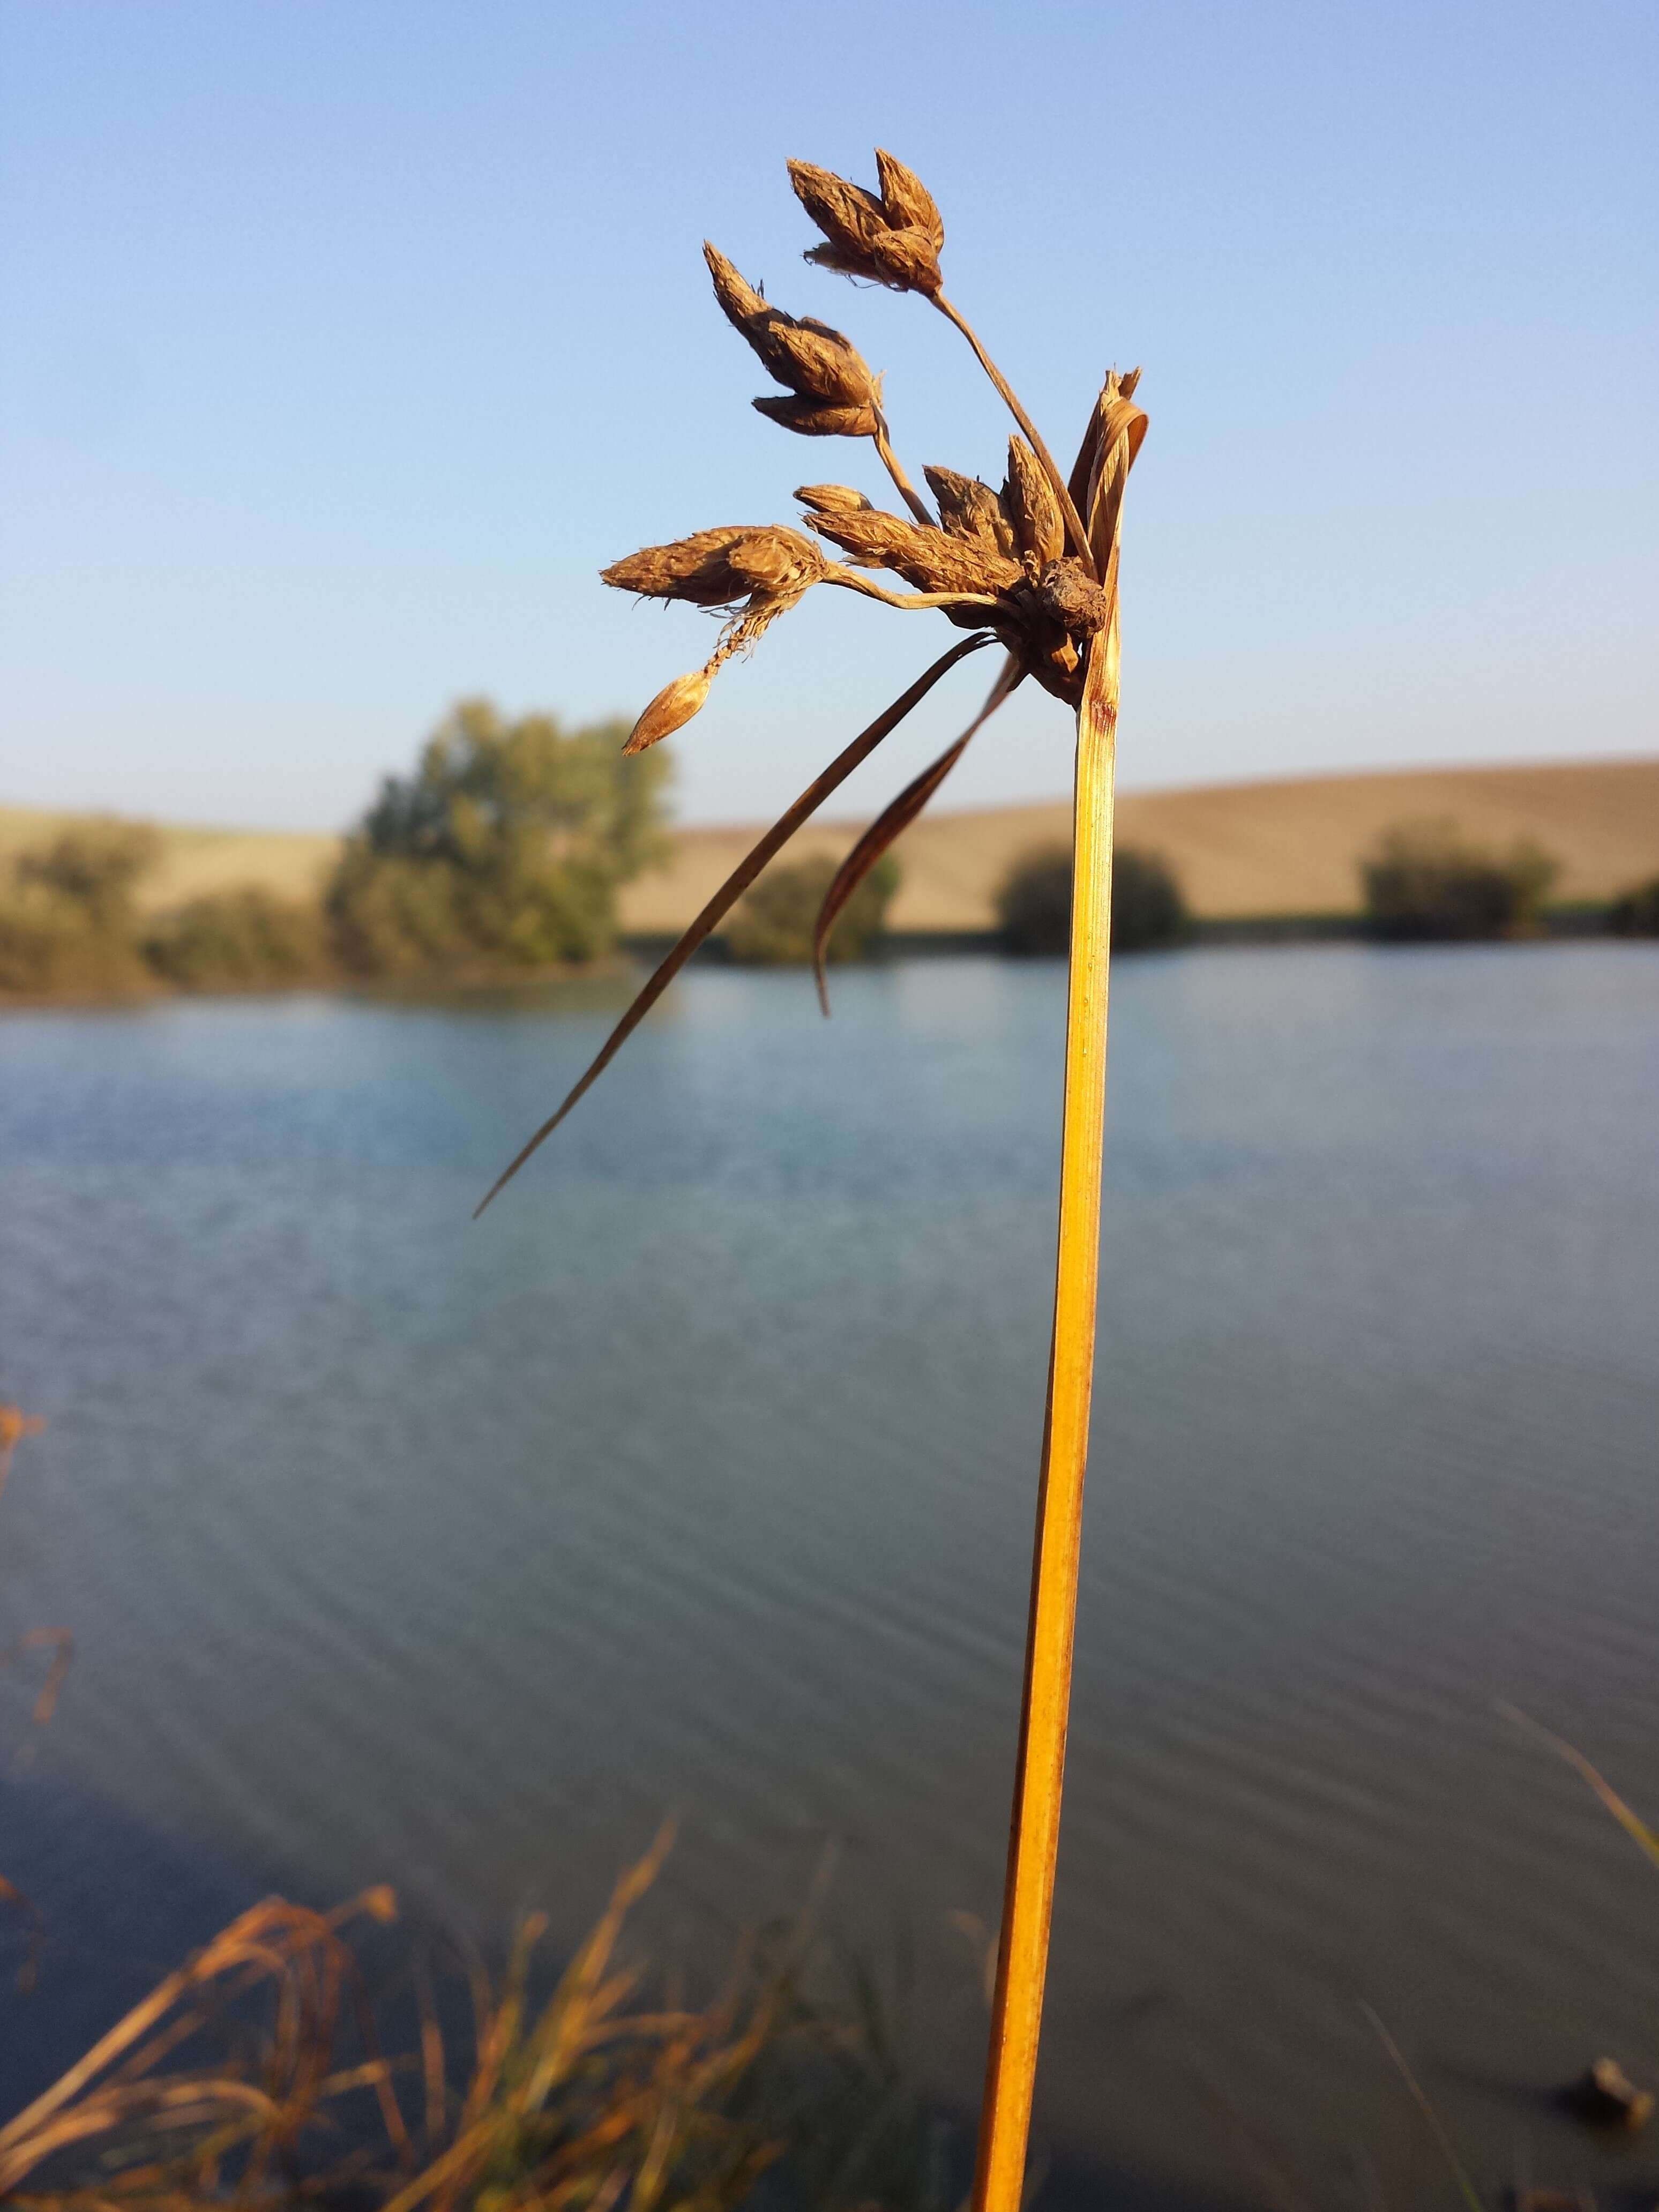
(1241, 850)
(291, 861)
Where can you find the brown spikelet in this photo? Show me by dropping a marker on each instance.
(811, 418)
(721, 568)
(866, 237)
(971, 510)
(739, 299)
(909, 261)
(670, 710)
(832, 499)
(692, 569)
(931, 559)
(909, 205)
(774, 561)
(850, 218)
(809, 358)
(1039, 532)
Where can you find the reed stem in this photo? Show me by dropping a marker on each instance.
(1034, 1831)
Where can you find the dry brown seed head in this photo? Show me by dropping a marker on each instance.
(868, 238)
(722, 567)
(737, 296)
(908, 202)
(832, 499)
(692, 569)
(813, 419)
(673, 707)
(818, 363)
(774, 561)
(1039, 532)
(848, 216)
(971, 510)
(809, 357)
(910, 260)
(930, 559)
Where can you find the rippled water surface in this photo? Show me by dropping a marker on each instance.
(699, 1474)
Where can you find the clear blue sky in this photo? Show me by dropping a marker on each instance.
(343, 340)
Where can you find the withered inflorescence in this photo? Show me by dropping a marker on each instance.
(1030, 566)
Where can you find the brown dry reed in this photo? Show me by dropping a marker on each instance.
(1032, 567)
(256, 2077)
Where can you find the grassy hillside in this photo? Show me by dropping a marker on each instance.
(292, 862)
(1240, 849)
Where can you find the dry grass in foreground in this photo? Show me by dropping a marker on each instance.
(255, 2077)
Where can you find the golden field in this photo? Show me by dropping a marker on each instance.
(1241, 850)
(293, 862)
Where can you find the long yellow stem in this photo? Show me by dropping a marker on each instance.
(1033, 1834)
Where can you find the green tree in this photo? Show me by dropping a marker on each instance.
(772, 926)
(237, 940)
(1034, 902)
(1422, 882)
(504, 848)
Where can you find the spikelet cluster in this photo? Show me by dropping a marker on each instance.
(994, 560)
(894, 237)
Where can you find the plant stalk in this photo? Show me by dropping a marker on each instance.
(1034, 1831)
(890, 460)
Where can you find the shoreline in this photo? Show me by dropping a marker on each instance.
(1579, 924)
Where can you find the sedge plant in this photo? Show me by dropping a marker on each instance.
(1031, 568)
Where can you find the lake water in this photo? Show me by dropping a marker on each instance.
(699, 1474)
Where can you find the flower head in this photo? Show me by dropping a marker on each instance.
(835, 392)
(893, 238)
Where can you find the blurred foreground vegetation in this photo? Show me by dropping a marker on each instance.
(260, 2076)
